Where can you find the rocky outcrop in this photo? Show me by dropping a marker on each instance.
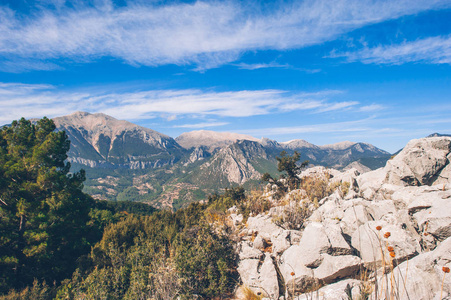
(388, 236)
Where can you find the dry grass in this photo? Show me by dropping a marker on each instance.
(248, 294)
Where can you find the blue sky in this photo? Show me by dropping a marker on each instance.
(323, 71)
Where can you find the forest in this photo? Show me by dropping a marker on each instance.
(57, 242)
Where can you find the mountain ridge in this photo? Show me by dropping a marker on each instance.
(127, 161)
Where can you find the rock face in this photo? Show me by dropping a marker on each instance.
(388, 236)
(234, 164)
(98, 140)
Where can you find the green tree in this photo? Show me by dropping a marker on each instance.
(289, 165)
(43, 210)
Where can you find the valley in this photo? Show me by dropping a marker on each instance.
(124, 161)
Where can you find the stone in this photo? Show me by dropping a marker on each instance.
(436, 219)
(422, 276)
(259, 242)
(248, 252)
(263, 225)
(334, 291)
(296, 275)
(268, 278)
(420, 162)
(371, 243)
(260, 276)
(338, 244)
(248, 270)
(314, 241)
(334, 267)
(281, 241)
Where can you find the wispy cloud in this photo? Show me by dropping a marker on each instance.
(201, 125)
(436, 50)
(257, 66)
(17, 100)
(204, 34)
(338, 106)
(371, 108)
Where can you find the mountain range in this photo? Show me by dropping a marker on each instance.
(124, 161)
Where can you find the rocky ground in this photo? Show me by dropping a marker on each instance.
(384, 234)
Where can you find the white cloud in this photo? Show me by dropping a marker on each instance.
(201, 125)
(436, 50)
(371, 108)
(338, 106)
(22, 100)
(245, 66)
(206, 34)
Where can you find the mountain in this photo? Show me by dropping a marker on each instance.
(210, 139)
(236, 163)
(339, 155)
(124, 161)
(438, 135)
(101, 141)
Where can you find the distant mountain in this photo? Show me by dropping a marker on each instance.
(101, 141)
(210, 139)
(438, 135)
(124, 161)
(235, 164)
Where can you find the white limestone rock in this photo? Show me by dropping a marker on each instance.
(334, 291)
(371, 243)
(422, 276)
(260, 276)
(249, 252)
(334, 267)
(263, 225)
(419, 162)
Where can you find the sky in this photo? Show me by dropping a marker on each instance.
(323, 71)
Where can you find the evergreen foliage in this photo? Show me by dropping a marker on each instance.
(52, 232)
(42, 208)
(289, 165)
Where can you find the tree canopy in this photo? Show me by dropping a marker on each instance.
(43, 210)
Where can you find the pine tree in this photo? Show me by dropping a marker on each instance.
(43, 210)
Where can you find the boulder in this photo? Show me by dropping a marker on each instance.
(372, 244)
(260, 276)
(421, 277)
(248, 270)
(263, 225)
(268, 278)
(314, 241)
(281, 241)
(334, 267)
(420, 162)
(335, 291)
(298, 278)
(248, 252)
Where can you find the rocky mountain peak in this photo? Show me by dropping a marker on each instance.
(210, 139)
(101, 140)
(297, 144)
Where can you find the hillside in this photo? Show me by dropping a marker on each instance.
(124, 161)
(383, 234)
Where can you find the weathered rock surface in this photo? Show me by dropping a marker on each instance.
(404, 208)
(421, 277)
(260, 276)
